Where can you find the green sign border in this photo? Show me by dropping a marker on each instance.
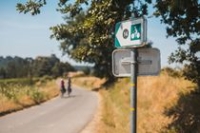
(117, 26)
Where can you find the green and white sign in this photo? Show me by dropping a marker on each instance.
(131, 33)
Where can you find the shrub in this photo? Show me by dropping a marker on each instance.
(37, 95)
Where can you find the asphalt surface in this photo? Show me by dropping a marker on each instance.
(59, 115)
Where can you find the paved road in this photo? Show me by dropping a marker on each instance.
(66, 115)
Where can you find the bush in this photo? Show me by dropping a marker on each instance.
(37, 95)
(171, 72)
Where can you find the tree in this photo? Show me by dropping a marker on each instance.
(11, 70)
(43, 65)
(14, 67)
(182, 18)
(61, 68)
(50, 66)
(2, 73)
(17, 67)
(86, 36)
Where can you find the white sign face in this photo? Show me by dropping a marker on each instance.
(131, 33)
(118, 69)
(148, 62)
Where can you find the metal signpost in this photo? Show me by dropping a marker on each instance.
(134, 92)
(131, 62)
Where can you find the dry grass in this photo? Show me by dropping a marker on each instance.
(156, 95)
(51, 89)
(88, 82)
(26, 96)
(165, 104)
(116, 109)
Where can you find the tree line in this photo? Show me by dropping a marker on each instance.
(17, 67)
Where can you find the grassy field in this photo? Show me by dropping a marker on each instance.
(165, 105)
(16, 94)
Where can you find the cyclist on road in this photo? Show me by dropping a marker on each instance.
(69, 89)
(62, 87)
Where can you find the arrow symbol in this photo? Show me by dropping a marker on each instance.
(123, 35)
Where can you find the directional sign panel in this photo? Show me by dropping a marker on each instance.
(118, 68)
(148, 62)
(131, 33)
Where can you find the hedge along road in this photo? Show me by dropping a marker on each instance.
(59, 115)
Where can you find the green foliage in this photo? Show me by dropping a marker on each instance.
(14, 89)
(190, 60)
(37, 95)
(186, 114)
(18, 95)
(89, 25)
(2, 72)
(192, 72)
(11, 93)
(16, 67)
(31, 6)
(86, 36)
(19, 81)
(182, 20)
(116, 107)
(87, 70)
(172, 72)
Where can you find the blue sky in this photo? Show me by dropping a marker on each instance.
(26, 35)
(29, 36)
